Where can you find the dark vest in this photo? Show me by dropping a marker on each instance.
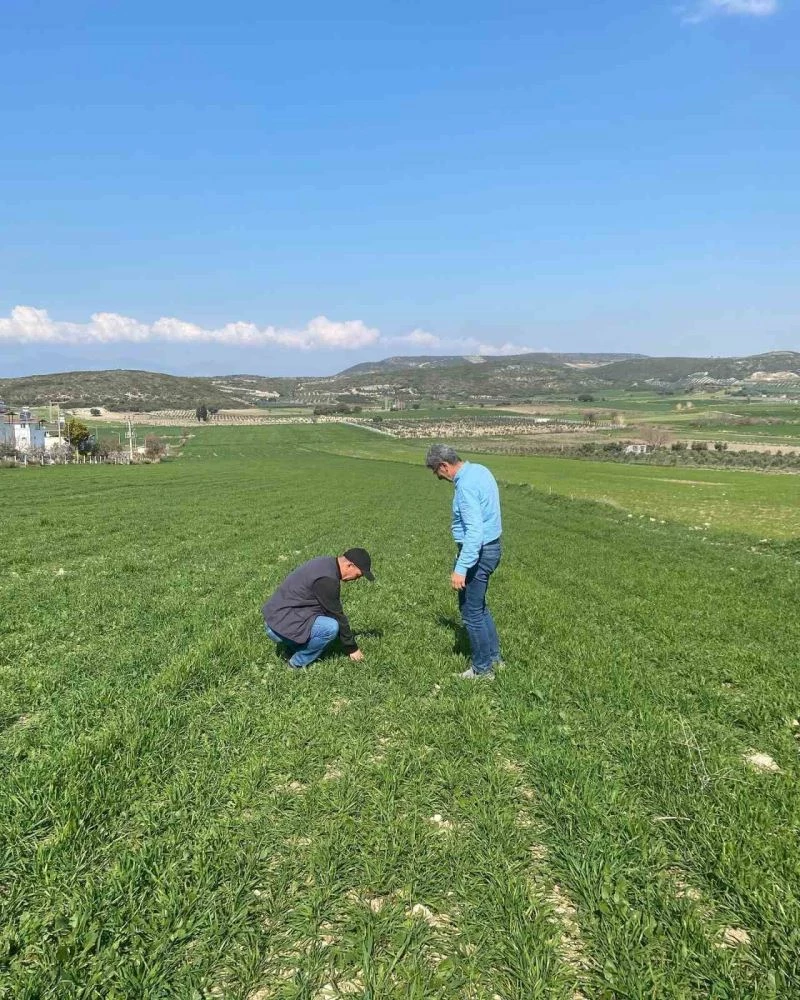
(293, 607)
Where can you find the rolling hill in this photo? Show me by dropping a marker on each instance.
(529, 359)
(453, 378)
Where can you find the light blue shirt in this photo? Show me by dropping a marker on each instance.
(476, 513)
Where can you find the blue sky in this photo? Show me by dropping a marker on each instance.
(206, 188)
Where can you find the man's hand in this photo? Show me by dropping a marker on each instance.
(458, 581)
(356, 655)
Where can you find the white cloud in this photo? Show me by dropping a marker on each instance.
(502, 350)
(705, 9)
(28, 325)
(469, 345)
(419, 338)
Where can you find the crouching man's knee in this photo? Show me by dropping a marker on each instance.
(328, 627)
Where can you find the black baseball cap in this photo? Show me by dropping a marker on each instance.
(360, 558)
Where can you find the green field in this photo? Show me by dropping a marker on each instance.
(721, 500)
(183, 817)
(709, 417)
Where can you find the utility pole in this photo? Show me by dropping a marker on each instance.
(130, 439)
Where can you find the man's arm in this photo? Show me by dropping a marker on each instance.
(326, 591)
(472, 519)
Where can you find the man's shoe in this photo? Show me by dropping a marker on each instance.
(473, 675)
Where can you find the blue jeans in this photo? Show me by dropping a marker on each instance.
(477, 618)
(323, 632)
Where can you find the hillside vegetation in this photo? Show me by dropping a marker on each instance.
(452, 378)
(121, 389)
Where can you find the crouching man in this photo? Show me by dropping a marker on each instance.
(305, 613)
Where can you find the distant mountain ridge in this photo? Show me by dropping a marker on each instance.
(459, 378)
(451, 360)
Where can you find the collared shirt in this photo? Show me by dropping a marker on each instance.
(476, 513)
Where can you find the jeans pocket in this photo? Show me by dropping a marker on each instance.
(490, 557)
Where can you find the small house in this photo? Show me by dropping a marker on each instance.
(24, 434)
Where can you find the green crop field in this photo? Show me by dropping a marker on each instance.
(720, 500)
(705, 417)
(714, 499)
(183, 817)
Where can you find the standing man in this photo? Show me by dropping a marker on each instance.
(305, 613)
(477, 528)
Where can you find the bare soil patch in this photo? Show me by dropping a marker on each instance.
(26, 719)
(571, 944)
(686, 482)
(422, 912)
(340, 988)
(733, 937)
(762, 762)
(295, 787)
(441, 824)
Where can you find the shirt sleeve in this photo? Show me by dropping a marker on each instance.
(472, 520)
(326, 591)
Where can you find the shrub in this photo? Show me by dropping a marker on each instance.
(154, 447)
(106, 446)
(61, 452)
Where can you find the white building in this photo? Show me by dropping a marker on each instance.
(52, 440)
(22, 435)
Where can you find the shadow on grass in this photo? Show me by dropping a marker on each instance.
(460, 641)
(284, 651)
